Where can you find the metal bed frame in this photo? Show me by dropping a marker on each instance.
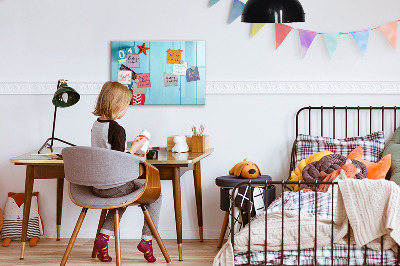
(283, 184)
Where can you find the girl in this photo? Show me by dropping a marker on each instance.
(112, 104)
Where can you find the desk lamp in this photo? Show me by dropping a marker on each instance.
(64, 96)
(272, 11)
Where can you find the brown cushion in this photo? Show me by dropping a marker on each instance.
(328, 164)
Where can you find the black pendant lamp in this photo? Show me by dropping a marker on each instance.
(273, 11)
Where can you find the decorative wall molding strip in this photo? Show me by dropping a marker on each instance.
(304, 87)
(233, 87)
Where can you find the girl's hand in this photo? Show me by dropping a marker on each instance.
(143, 155)
(137, 144)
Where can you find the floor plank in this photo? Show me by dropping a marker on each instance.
(49, 252)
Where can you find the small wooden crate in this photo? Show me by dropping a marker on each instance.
(171, 143)
(200, 143)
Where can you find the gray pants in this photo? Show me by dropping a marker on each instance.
(154, 208)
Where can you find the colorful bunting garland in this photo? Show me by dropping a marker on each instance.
(306, 39)
(332, 41)
(213, 2)
(389, 30)
(361, 37)
(281, 31)
(256, 27)
(237, 9)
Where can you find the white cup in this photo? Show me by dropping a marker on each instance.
(144, 134)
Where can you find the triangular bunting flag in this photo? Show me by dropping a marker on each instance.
(256, 28)
(213, 2)
(361, 37)
(389, 30)
(332, 41)
(237, 9)
(281, 31)
(306, 39)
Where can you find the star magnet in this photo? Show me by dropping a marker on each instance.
(143, 49)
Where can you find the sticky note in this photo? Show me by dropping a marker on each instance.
(192, 75)
(170, 80)
(125, 77)
(133, 60)
(180, 69)
(174, 56)
(144, 80)
(136, 90)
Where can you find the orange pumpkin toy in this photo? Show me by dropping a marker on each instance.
(245, 169)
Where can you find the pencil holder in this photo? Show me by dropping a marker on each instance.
(200, 143)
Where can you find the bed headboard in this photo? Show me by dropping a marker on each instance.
(344, 121)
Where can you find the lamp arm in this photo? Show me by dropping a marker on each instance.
(54, 126)
(55, 115)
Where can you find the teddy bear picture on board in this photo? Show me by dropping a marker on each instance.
(13, 215)
(245, 169)
(180, 144)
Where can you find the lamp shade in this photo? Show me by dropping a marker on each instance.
(65, 96)
(273, 11)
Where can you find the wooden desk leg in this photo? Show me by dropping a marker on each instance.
(60, 190)
(176, 183)
(199, 204)
(27, 206)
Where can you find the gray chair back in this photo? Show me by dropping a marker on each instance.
(91, 166)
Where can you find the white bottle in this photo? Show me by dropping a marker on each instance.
(144, 134)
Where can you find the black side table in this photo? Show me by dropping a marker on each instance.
(226, 183)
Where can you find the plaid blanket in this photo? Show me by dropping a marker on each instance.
(340, 254)
(323, 205)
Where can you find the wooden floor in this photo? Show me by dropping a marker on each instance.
(50, 252)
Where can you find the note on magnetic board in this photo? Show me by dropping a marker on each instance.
(192, 75)
(133, 60)
(125, 77)
(170, 80)
(174, 56)
(136, 90)
(180, 69)
(144, 80)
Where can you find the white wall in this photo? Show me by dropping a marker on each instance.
(42, 41)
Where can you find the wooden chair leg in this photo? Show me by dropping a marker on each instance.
(154, 230)
(73, 237)
(223, 229)
(117, 238)
(101, 222)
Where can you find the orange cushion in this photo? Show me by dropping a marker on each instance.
(375, 170)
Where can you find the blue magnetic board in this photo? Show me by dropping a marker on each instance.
(160, 72)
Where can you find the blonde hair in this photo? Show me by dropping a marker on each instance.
(112, 98)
